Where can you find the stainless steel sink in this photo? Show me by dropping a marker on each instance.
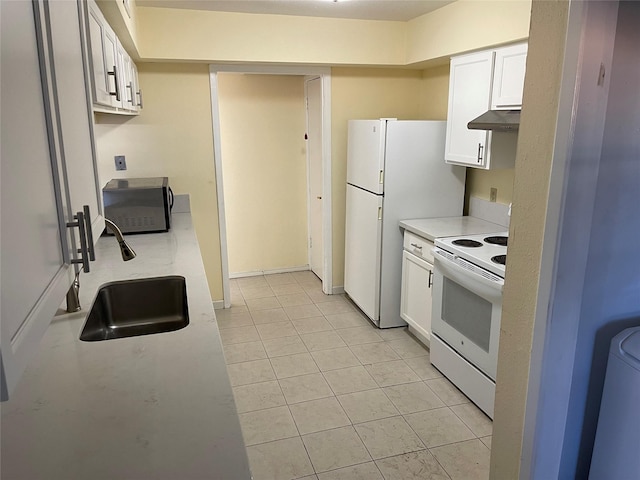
(143, 306)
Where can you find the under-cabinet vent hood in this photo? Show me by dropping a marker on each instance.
(497, 120)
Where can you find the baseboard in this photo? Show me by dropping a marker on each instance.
(301, 268)
(218, 304)
(337, 290)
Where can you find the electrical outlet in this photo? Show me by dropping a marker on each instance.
(121, 163)
(493, 194)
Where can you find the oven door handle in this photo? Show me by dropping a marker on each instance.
(440, 259)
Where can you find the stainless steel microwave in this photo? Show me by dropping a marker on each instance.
(139, 205)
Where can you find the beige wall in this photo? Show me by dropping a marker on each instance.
(531, 188)
(358, 93)
(262, 124)
(171, 137)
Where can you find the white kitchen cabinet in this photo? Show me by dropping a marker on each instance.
(416, 289)
(491, 79)
(508, 77)
(48, 171)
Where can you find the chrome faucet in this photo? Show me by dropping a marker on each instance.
(126, 251)
(73, 299)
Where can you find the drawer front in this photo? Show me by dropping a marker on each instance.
(419, 246)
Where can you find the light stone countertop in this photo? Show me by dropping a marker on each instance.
(432, 228)
(149, 407)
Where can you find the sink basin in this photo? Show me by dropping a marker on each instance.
(143, 306)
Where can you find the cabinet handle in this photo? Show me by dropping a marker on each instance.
(130, 87)
(415, 245)
(480, 149)
(114, 73)
(84, 259)
(430, 279)
(139, 93)
(87, 222)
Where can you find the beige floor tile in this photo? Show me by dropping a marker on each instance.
(287, 289)
(348, 320)
(312, 325)
(279, 347)
(280, 460)
(309, 477)
(276, 330)
(294, 299)
(474, 418)
(408, 347)
(280, 279)
(465, 460)
(335, 358)
(487, 441)
(349, 380)
(333, 449)
(393, 333)
(244, 352)
(302, 311)
(234, 320)
(392, 373)
(413, 397)
(366, 406)
(439, 427)
(332, 308)
(305, 275)
(247, 282)
(420, 465)
(269, 315)
(422, 366)
(305, 387)
(364, 471)
(447, 391)
(232, 310)
(294, 365)
(250, 372)
(267, 425)
(237, 299)
(322, 341)
(229, 336)
(258, 396)
(317, 415)
(388, 437)
(378, 352)
(254, 304)
(318, 296)
(359, 335)
(256, 292)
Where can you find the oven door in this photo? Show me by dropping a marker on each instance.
(467, 304)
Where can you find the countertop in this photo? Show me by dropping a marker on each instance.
(432, 228)
(149, 407)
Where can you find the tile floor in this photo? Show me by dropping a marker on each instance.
(322, 394)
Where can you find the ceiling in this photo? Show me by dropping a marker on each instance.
(395, 10)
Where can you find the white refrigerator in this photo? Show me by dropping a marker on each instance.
(395, 170)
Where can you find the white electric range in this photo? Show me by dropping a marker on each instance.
(467, 304)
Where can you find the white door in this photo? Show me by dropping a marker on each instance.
(508, 80)
(365, 154)
(314, 155)
(363, 246)
(415, 302)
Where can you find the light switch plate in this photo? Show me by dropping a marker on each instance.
(121, 163)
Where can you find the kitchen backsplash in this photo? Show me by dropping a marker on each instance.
(490, 211)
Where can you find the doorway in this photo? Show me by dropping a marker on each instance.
(320, 238)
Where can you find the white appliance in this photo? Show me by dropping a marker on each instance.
(467, 306)
(395, 169)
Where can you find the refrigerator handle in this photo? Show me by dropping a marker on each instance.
(381, 177)
(379, 213)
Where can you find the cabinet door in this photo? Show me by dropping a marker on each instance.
(74, 106)
(469, 97)
(98, 68)
(415, 303)
(114, 79)
(35, 273)
(508, 78)
(137, 91)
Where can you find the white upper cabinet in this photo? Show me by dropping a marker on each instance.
(508, 79)
(48, 171)
(113, 73)
(491, 79)
(469, 97)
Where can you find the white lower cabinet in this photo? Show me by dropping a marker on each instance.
(415, 303)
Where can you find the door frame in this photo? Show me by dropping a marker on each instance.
(325, 74)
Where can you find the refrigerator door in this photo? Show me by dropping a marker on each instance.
(363, 245)
(365, 154)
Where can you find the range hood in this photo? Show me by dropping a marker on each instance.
(497, 120)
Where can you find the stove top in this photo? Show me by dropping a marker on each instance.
(488, 250)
